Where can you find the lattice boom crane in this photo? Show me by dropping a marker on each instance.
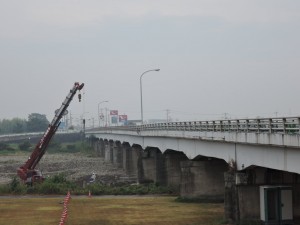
(27, 172)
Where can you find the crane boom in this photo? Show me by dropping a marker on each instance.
(27, 171)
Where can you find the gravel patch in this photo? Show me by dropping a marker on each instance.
(76, 166)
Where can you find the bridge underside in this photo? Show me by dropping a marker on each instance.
(244, 155)
(209, 171)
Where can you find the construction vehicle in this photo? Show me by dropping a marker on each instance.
(27, 172)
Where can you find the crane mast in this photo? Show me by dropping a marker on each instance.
(27, 171)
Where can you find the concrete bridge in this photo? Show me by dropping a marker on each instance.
(250, 164)
(19, 137)
(34, 137)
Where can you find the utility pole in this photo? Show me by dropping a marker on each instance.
(70, 119)
(106, 117)
(168, 115)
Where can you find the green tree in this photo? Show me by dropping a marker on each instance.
(18, 125)
(6, 127)
(37, 122)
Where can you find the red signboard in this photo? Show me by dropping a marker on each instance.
(113, 112)
(122, 118)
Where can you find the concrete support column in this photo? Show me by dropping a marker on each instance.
(172, 166)
(101, 148)
(97, 148)
(136, 152)
(111, 151)
(93, 142)
(203, 179)
(126, 149)
(118, 154)
(130, 160)
(231, 209)
(107, 151)
(242, 194)
(152, 167)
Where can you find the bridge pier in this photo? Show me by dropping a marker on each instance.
(101, 145)
(172, 160)
(152, 167)
(126, 148)
(242, 193)
(118, 154)
(109, 145)
(94, 145)
(231, 207)
(131, 154)
(106, 151)
(203, 179)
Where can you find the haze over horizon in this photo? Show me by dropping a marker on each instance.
(217, 58)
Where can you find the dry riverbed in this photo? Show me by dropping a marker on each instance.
(76, 166)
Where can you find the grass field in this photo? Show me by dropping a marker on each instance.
(127, 210)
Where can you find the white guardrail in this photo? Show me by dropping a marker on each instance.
(287, 125)
(32, 134)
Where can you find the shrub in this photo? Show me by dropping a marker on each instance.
(16, 187)
(54, 147)
(4, 189)
(25, 146)
(58, 178)
(71, 147)
(3, 146)
(57, 184)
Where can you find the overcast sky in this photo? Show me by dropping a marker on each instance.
(239, 57)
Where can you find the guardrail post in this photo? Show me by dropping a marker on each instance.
(201, 126)
(284, 125)
(229, 125)
(176, 126)
(221, 126)
(194, 126)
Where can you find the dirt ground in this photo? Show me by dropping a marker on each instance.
(76, 166)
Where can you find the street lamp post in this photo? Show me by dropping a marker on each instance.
(83, 123)
(99, 110)
(141, 90)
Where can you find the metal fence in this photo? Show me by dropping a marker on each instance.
(287, 125)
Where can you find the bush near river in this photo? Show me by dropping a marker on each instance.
(58, 184)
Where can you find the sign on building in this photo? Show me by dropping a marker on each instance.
(123, 118)
(113, 112)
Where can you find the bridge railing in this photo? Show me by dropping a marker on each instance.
(286, 125)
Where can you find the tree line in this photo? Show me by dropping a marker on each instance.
(35, 123)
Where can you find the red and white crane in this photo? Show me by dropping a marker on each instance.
(27, 172)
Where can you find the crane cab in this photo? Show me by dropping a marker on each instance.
(34, 176)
